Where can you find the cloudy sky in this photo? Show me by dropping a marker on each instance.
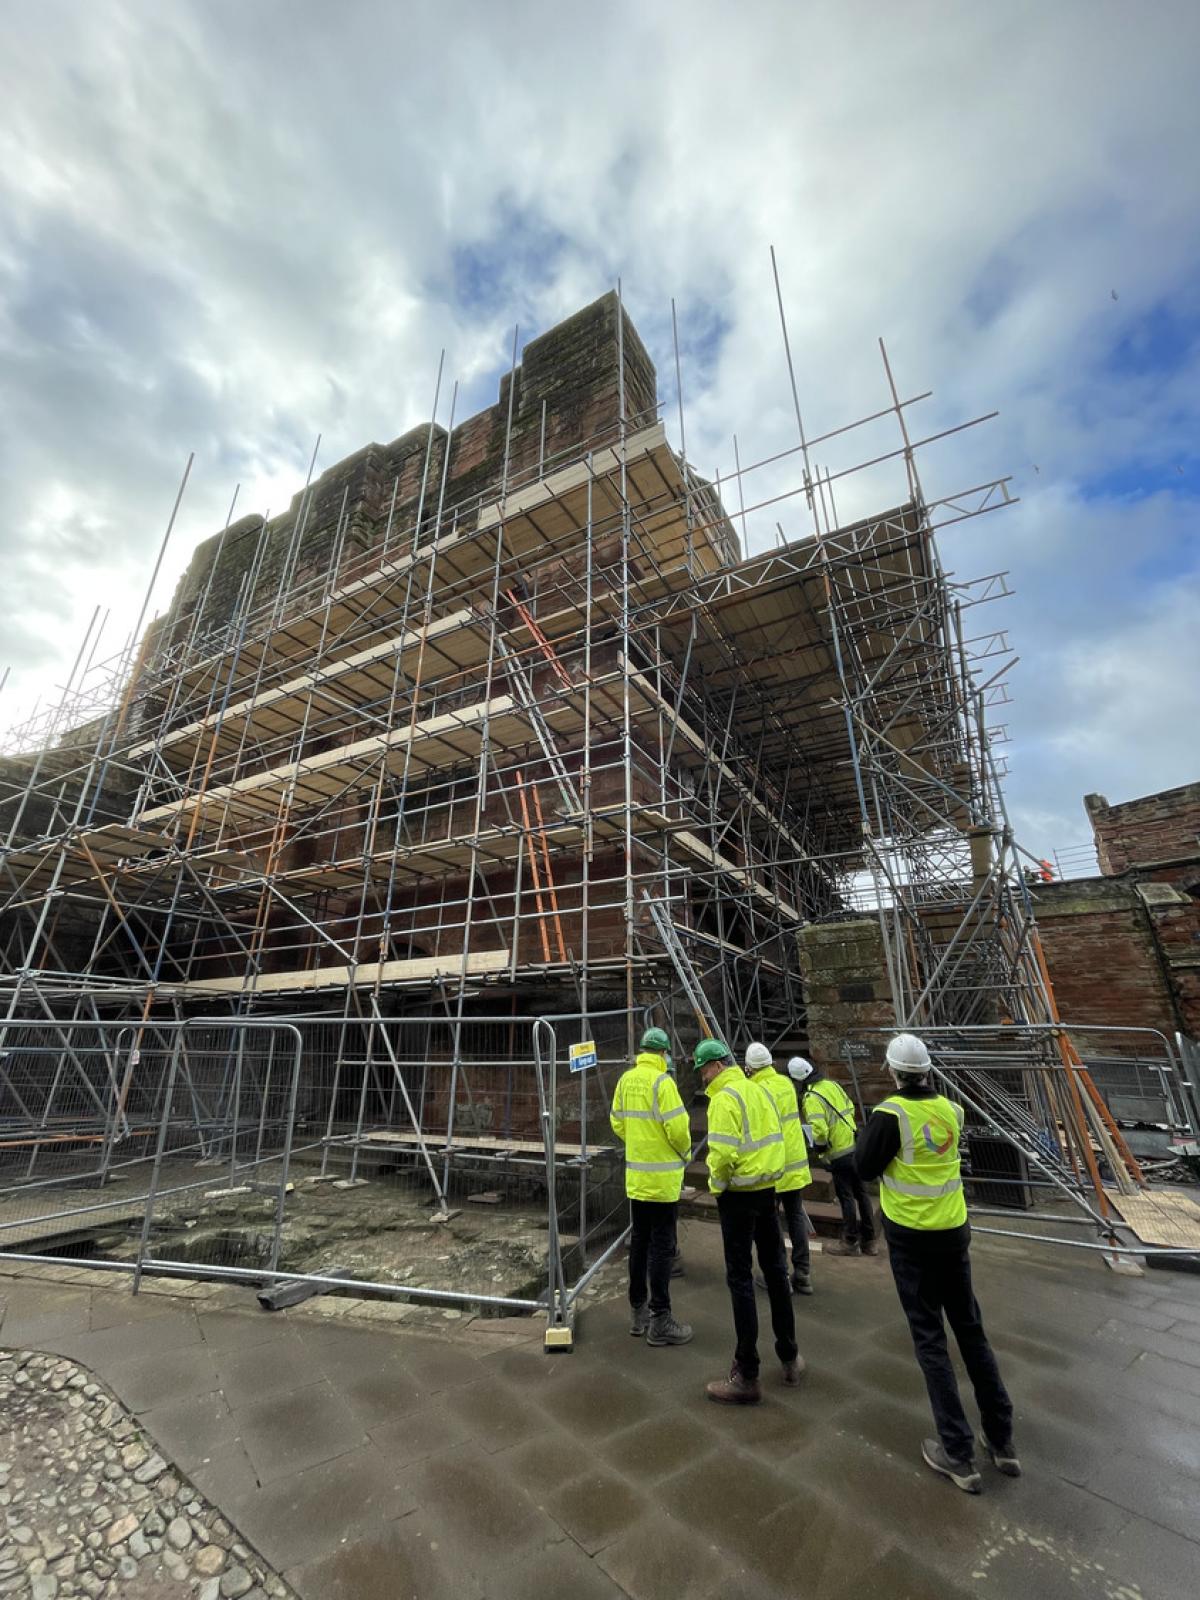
(226, 227)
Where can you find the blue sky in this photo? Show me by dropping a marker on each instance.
(228, 228)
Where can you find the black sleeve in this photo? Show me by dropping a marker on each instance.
(877, 1144)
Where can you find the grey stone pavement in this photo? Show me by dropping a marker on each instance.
(385, 1462)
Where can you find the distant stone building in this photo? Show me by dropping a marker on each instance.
(1123, 948)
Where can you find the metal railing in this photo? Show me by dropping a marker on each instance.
(1024, 1107)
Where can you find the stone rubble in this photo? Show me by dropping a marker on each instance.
(91, 1511)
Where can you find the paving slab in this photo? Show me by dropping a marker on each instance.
(495, 1413)
(286, 1433)
(377, 1385)
(544, 1463)
(663, 1559)
(226, 1329)
(731, 1511)
(150, 1378)
(249, 1372)
(477, 1510)
(659, 1446)
(560, 1572)
(596, 1508)
(414, 1435)
(589, 1406)
(226, 1475)
(1156, 1493)
(396, 1559)
(305, 1515)
(192, 1428)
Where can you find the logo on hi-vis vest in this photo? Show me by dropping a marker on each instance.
(930, 1133)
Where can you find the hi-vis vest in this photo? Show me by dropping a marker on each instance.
(745, 1135)
(922, 1186)
(651, 1121)
(829, 1112)
(796, 1174)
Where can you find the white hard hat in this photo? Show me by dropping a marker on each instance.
(800, 1068)
(907, 1054)
(757, 1055)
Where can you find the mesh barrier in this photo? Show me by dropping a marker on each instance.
(80, 1106)
(431, 1158)
(1062, 1121)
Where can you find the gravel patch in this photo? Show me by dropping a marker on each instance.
(90, 1508)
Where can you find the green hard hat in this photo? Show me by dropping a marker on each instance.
(655, 1039)
(710, 1050)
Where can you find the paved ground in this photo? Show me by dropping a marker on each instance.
(394, 1464)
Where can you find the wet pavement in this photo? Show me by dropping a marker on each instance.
(413, 1465)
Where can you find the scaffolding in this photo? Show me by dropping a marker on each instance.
(489, 745)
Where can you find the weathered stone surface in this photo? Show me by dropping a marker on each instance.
(149, 1470)
(179, 1534)
(121, 1529)
(78, 1533)
(846, 990)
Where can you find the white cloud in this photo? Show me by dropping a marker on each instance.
(228, 228)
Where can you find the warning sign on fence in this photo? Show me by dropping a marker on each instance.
(583, 1055)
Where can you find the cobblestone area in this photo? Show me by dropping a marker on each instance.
(90, 1507)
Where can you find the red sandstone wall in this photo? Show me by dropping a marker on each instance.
(1125, 948)
(1151, 831)
(1100, 951)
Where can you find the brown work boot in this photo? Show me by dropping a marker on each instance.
(735, 1390)
(869, 1247)
(793, 1371)
(839, 1247)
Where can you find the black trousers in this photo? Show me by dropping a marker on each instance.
(749, 1223)
(931, 1282)
(797, 1228)
(858, 1221)
(652, 1246)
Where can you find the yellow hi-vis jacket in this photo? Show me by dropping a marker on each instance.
(796, 1174)
(829, 1112)
(651, 1121)
(745, 1136)
(922, 1186)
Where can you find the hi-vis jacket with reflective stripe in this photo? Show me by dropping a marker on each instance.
(796, 1174)
(922, 1186)
(829, 1112)
(651, 1121)
(745, 1136)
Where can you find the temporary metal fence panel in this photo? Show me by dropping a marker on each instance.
(220, 1181)
(80, 1103)
(1025, 1159)
(459, 1161)
(100, 1117)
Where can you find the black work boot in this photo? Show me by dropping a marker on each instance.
(842, 1247)
(963, 1475)
(665, 1330)
(639, 1319)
